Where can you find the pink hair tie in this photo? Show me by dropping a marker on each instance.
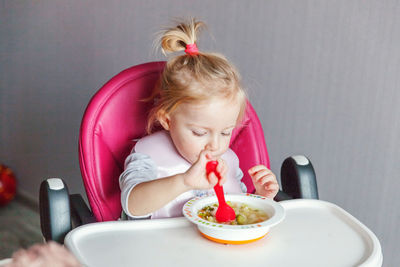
(191, 49)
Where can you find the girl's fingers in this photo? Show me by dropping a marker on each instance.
(259, 175)
(221, 167)
(270, 194)
(212, 179)
(223, 180)
(222, 170)
(257, 168)
(267, 179)
(200, 164)
(204, 155)
(271, 186)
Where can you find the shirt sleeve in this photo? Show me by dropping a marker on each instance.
(138, 168)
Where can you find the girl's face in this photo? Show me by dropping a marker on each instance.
(206, 125)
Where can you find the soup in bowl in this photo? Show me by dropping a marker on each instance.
(244, 214)
(255, 215)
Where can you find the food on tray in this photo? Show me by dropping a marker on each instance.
(244, 214)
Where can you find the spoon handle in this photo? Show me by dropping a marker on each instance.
(219, 191)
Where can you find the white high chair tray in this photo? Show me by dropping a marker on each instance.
(313, 233)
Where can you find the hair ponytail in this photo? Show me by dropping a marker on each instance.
(176, 38)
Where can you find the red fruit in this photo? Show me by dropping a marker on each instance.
(8, 185)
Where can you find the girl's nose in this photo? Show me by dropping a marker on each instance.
(213, 144)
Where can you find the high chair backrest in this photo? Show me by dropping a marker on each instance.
(116, 116)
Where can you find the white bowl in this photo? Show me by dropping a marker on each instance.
(234, 234)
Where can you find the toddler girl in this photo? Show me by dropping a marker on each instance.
(199, 101)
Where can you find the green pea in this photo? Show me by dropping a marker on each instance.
(241, 219)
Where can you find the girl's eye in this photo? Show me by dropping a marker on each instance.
(198, 133)
(226, 133)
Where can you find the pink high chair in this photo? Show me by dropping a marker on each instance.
(313, 233)
(113, 119)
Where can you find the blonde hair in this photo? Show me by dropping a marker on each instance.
(192, 78)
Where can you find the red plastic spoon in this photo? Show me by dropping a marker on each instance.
(224, 212)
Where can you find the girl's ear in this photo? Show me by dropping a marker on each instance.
(164, 119)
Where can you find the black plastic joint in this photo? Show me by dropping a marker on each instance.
(298, 177)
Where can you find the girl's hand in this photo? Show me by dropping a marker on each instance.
(196, 176)
(264, 181)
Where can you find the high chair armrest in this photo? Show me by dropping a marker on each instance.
(298, 178)
(55, 213)
(59, 211)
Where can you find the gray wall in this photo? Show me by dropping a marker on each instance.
(323, 76)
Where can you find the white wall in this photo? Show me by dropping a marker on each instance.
(323, 76)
